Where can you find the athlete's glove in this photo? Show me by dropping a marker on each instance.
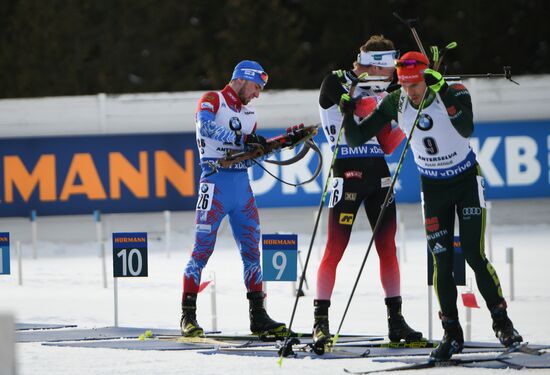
(294, 133)
(347, 104)
(253, 138)
(343, 76)
(435, 81)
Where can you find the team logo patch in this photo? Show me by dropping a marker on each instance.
(438, 248)
(210, 97)
(468, 212)
(350, 197)
(346, 218)
(353, 174)
(425, 122)
(207, 105)
(235, 123)
(203, 228)
(451, 111)
(432, 224)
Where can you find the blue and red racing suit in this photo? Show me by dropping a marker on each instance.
(220, 119)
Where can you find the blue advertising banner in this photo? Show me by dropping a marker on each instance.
(4, 253)
(111, 173)
(514, 158)
(156, 172)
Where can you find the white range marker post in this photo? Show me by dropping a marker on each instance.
(34, 233)
(468, 328)
(403, 245)
(19, 263)
(213, 302)
(101, 246)
(510, 261)
(129, 260)
(7, 345)
(98, 230)
(430, 316)
(167, 232)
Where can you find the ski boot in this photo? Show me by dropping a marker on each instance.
(398, 329)
(452, 341)
(503, 327)
(188, 323)
(321, 331)
(260, 323)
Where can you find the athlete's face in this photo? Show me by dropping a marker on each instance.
(381, 71)
(414, 91)
(248, 91)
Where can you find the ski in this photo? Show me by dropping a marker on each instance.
(399, 345)
(522, 347)
(430, 364)
(210, 341)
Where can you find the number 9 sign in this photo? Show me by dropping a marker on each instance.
(280, 257)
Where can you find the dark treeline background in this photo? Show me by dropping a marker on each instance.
(74, 47)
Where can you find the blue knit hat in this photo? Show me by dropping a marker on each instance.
(250, 70)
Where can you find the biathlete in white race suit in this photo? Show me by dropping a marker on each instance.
(451, 182)
(225, 122)
(361, 177)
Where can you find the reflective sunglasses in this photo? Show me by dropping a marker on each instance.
(264, 77)
(408, 63)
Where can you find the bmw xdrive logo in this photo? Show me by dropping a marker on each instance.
(425, 122)
(204, 188)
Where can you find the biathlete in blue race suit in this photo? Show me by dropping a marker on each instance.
(224, 122)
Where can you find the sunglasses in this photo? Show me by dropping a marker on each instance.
(408, 63)
(264, 77)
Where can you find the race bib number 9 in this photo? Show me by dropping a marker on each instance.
(337, 191)
(206, 194)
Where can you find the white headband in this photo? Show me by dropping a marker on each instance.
(384, 59)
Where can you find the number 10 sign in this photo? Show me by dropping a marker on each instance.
(130, 254)
(280, 257)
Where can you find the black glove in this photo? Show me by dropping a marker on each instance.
(295, 133)
(238, 137)
(253, 138)
(347, 104)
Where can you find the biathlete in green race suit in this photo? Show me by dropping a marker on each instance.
(451, 182)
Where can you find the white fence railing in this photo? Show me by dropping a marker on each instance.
(495, 99)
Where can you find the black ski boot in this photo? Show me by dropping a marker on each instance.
(188, 323)
(260, 323)
(503, 327)
(321, 331)
(452, 341)
(398, 329)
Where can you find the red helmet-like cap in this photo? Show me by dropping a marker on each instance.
(411, 66)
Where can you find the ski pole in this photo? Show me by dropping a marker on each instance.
(441, 54)
(286, 348)
(410, 24)
(383, 210)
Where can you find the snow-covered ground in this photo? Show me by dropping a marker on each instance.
(64, 285)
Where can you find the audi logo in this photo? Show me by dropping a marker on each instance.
(468, 211)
